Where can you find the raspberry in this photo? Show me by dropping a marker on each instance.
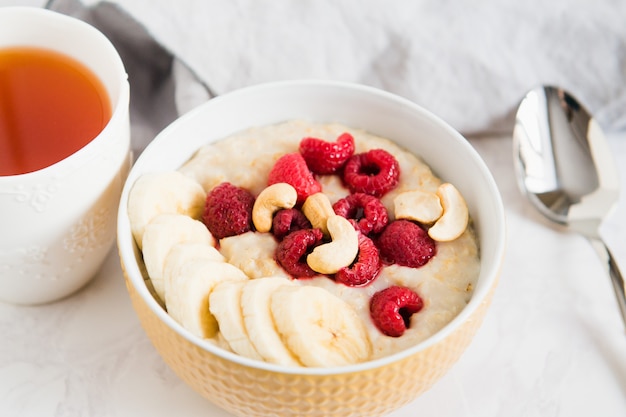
(292, 169)
(366, 267)
(324, 157)
(287, 221)
(292, 251)
(405, 243)
(228, 210)
(375, 172)
(368, 212)
(391, 309)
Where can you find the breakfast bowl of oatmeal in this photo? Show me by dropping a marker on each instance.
(309, 248)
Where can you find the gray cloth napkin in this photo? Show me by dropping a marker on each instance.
(468, 62)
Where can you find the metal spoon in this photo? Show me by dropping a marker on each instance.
(566, 170)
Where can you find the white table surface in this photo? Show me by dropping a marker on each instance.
(552, 344)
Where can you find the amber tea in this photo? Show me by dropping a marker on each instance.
(50, 107)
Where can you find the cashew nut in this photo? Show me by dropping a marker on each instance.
(273, 198)
(340, 251)
(317, 209)
(455, 217)
(418, 205)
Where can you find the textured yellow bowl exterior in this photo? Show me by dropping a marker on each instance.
(250, 392)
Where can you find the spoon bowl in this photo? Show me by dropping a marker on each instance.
(564, 166)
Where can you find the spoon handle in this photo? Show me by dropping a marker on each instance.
(613, 270)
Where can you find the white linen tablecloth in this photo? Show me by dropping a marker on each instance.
(468, 62)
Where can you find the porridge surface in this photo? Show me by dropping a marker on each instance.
(445, 283)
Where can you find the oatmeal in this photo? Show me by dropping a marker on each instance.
(352, 217)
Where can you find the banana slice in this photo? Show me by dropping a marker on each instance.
(225, 305)
(259, 323)
(161, 234)
(160, 193)
(318, 327)
(183, 252)
(188, 291)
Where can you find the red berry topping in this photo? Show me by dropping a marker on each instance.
(287, 221)
(324, 157)
(292, 251)
(228, 210)
(405, 243)
(391, 309)
(292, 169)
(366, 267)
(368, 212)
(375, 172)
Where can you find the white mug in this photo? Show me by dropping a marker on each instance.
(57, 224)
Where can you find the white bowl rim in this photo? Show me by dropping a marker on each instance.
(126, 246)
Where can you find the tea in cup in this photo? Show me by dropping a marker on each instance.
(64, 152)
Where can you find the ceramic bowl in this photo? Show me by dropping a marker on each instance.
(246, 387)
